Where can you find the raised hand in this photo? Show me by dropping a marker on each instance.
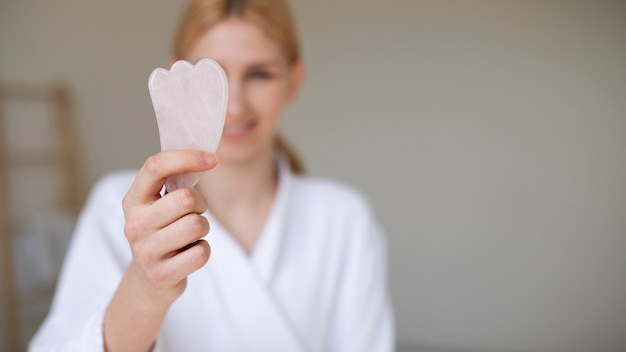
(165, 236)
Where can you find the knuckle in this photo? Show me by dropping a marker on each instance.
(186, 199)
(197, 225)
(205, 225)
(131, 230)
(202, 254)
(152, 164)
(201, 203)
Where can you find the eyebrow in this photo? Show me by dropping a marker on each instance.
(262, 64)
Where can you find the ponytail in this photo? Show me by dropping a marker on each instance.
(284, 148)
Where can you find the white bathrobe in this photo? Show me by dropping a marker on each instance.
(316, 280)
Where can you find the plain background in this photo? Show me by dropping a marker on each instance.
(490, 137)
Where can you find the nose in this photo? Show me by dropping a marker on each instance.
(236, 107)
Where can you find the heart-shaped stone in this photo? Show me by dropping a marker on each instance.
(190, 106)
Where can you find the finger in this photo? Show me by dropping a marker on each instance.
(151, 177)
(169, 272)
(170, 241)
(181, 233)
(175, 205)
(193, 257)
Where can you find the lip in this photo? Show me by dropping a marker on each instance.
(239, 131)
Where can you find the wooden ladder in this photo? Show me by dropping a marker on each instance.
(65, 157)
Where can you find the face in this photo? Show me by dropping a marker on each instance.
(260, 83)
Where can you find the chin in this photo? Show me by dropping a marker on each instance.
(229, 154)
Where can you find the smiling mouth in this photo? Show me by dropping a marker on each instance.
(239, 130)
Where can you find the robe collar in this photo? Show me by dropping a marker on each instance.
(266, 250)
(244, 282)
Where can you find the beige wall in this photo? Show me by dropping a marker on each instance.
(489, 135)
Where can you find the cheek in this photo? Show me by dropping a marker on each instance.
(268, 99)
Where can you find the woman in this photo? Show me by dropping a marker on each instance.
(297, 264)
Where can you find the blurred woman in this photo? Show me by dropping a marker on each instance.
(296, 263)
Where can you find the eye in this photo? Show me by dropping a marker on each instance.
(260, 74)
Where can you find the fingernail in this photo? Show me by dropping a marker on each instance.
(208, 158)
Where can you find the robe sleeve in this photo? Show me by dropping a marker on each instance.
(363, 315)
(93, 266)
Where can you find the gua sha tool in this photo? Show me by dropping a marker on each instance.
(190, 106)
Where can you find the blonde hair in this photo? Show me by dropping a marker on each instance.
(273, 16)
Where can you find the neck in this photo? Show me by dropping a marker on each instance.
(238, 184)
(236, 191)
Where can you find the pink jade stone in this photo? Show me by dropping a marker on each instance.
(190, 106)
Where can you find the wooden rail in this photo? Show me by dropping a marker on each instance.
(64, 156)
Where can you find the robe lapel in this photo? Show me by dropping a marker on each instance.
(244, 281)
(267, 249)
(254, 313)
